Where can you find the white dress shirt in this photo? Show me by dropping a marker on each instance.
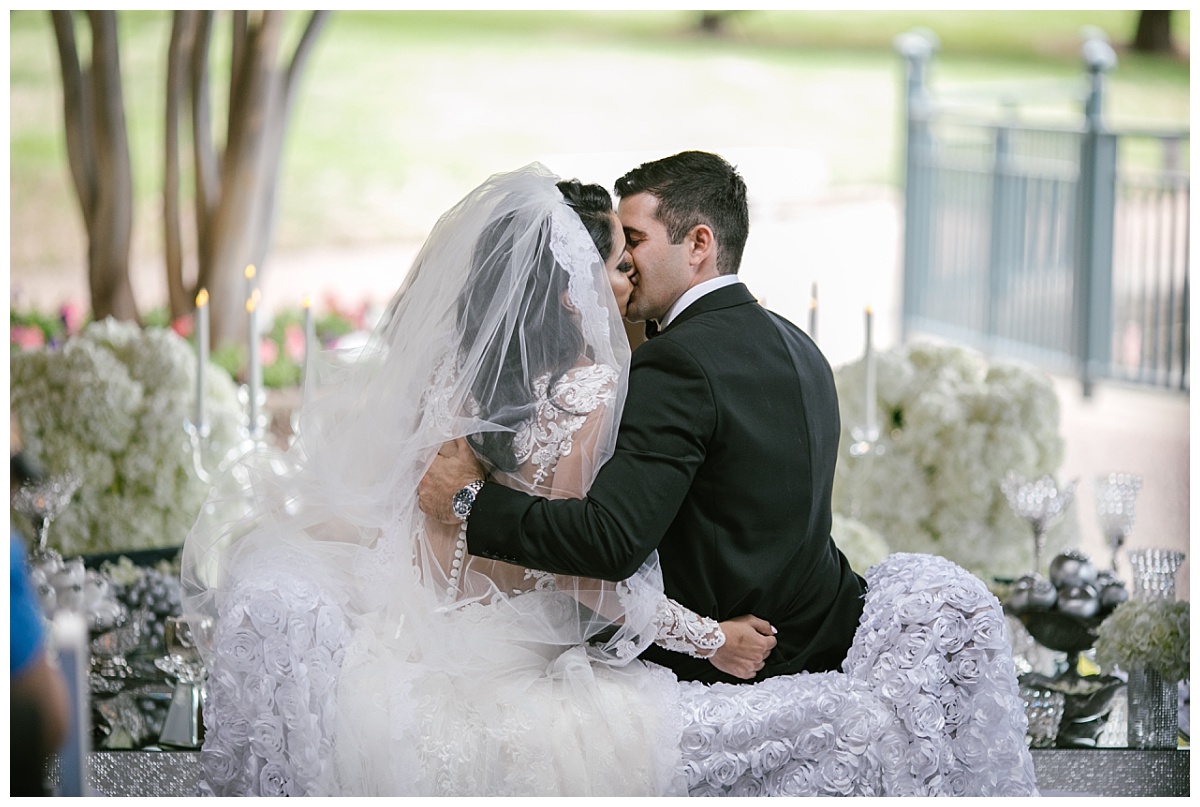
(695, 293)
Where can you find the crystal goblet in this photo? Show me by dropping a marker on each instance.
(1116, 495)
(183, 726)
(1040, 502)
(44, 501)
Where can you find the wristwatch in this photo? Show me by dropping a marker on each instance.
(465, 499)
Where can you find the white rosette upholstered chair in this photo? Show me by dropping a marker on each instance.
(926, 704)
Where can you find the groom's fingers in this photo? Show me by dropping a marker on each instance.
(454, 448)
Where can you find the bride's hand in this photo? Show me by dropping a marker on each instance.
(748, 642)
(453, 468)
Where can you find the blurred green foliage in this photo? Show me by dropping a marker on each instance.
(400, 112)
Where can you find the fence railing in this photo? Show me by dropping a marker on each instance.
(1064, 245)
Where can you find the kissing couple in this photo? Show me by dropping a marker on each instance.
(507, 555)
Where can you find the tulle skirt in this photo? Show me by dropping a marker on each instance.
(307, 698)
(570, 728)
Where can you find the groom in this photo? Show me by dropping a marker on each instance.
(725, 455)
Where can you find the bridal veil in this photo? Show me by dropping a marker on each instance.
(313, 571)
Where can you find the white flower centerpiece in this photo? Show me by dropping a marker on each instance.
(952, 425)
(110, 406)
(1148, 633)
(1151, 641)
(861, 545)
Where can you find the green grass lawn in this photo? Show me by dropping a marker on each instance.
(402, 112)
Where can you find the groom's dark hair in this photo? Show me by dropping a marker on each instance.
(696, 187)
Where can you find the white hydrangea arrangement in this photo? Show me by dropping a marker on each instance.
(861, 545)
(1148, 633)
(952, 425)
(110, 406)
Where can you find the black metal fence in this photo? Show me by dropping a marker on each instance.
(1066, 246)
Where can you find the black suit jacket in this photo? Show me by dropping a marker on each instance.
(724, 462)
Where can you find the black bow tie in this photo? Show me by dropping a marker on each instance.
(651, 329)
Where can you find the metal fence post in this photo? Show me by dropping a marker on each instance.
(917, 48)
(1097, 201)
(1004, 230)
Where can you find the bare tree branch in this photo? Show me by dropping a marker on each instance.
(316, 23)
(76, 113)
(112, 220)
(232, 230)
(178, 56)
(237, 60)
(277, 128)
(1153, 34)
(208, 182)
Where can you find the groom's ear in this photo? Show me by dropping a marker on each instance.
(702, 244)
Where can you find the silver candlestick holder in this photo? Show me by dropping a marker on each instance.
(865, 441)
(183, 727)
(1116, 496)
(42, 502)
(1040, 502)
(197, 436)
(1154, 572)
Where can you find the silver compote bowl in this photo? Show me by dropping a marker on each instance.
(1063, 613)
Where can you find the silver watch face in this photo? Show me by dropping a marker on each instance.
(462, 502)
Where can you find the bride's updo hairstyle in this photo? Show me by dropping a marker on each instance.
(547, 339)
(594, 207)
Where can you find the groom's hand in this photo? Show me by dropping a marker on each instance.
(453, 468)
(748, 642)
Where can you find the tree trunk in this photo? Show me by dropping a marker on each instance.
(715, 23)
(183, 33)
(98, 153)
(230, 234)
(277, 123)
(1154, 33)
(235, 186)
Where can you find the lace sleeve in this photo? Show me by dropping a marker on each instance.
(684, 631)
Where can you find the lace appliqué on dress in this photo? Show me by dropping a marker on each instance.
(549, 435)
(684, 631)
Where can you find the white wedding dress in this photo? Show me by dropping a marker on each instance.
(927, 703)
(353, 647)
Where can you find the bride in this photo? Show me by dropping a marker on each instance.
(355, 648)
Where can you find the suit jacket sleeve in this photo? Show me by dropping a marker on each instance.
(669, 413)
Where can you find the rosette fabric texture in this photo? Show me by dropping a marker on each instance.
(927, 704)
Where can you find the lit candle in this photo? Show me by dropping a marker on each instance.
(869, 359)
(309, 339)
(250, 273)
(69, 635)
(812, 314)
(201, 355)
(252, 371)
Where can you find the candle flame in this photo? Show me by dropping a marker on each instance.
(307, 301)
(250, 271)
(251, 303)
(868, 309)
(202, 298)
